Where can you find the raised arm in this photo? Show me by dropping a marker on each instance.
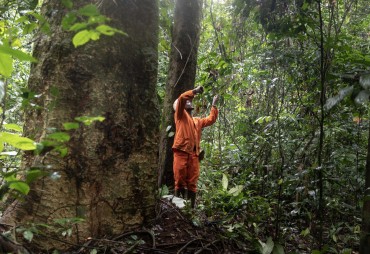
(211, 119)
(181, 101)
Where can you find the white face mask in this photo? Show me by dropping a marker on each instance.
(188, 105)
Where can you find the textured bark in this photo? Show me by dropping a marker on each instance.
(181, 76)
(109, 176)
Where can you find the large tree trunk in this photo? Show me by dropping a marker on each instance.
(109, 176)
(181, 76)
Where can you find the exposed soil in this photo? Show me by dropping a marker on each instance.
(173, 231)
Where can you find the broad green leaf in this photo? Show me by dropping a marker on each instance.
(164, 190)
(94, 35)
(45, 27)
(20, 186)
(331, 102)
(88, 120)
(225, 182)
(20, 55)
(39, 148)
(6, 65)
(100, 19)
(346, 251)
(357, 229)
(334, 237)
(32, 4)
(54, 91)
(12, 126)
(89, 10)
(363, 97)
(263, 119)
(33, 174)
(22, 19)
(68, 20)
(106, 30)
(365, 81)
(67, 3)
(63, 151)
(71, 126)
(78, 26)
(24, 144)
(28, 235)
(93, 251)
(305, 6)
(266, 248)
(305, 232)
(48, 143)
(17, 141)
(278, 249)
(235, 191)
(38, 16)
(2, 26)
(16, 43)
(81, 38)
(1, 146)
(59, 136)
(29, 28)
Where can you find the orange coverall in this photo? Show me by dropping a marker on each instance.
(186, 143)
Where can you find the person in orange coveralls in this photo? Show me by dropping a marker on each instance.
(186, 144)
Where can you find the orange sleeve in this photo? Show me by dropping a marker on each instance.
(211, 119)
(188, 95)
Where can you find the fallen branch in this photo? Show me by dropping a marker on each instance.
(206, 246)
(186, 245)
(135, 233)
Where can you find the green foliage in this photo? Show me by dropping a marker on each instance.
(16, 27)
(19, 181)
(88, 120)
(163, 191)
(6, 60)
(65, 226)
(16, 141)
(13, 183)
(267, 140)
(88, 24)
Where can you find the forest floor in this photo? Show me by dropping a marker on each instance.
(173, 230)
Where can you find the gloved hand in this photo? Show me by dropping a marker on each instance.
(215, 99)
(198, 90)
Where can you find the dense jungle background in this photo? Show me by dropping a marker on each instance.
(287, 163)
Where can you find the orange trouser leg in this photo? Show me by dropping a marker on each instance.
(185, 170)
(193, 173)
(180, 168)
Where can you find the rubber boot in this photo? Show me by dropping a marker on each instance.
(181, 193)
(191, 196)
(184, 193)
